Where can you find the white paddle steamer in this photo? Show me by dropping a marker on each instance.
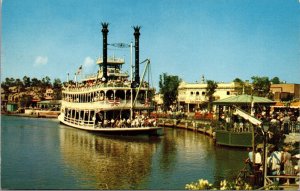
(110, 102)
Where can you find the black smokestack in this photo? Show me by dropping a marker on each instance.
(104, 32)
(137, 54)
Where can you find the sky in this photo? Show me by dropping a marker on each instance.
(220, 39)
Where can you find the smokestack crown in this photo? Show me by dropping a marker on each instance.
(137, 31)
(104, 27)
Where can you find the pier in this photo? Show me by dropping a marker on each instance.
(203, 127)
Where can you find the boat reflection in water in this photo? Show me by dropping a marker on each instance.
(108, 162)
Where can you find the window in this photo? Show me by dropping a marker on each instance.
(228, 92)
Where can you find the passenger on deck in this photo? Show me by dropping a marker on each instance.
(288, 168)
(274, 162)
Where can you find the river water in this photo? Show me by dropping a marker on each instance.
(42, 154)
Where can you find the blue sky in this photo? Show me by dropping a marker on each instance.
(220, 39)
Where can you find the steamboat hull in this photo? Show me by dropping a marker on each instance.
(117, 131)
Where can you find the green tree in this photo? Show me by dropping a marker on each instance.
(20, 84)
(46, 82)
(168, 85)
(210, 90)
(9, 82)
(26, 81)
(261, 86)
(57, 85)
(242, 87)
(275, 80)
(36, 82)
(238, 80)
(239, 84)
(4, 86)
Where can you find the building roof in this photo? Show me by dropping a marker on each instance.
(185, 85)
(243, 99)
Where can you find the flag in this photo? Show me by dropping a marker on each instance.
(79, 70)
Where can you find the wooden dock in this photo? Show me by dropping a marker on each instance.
(203, 127)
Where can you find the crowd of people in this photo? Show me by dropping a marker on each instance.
(87, 85)
(138, 121)
(288, 121)
(279, 162)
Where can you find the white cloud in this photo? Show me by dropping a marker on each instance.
(40, 60)
(89, 65)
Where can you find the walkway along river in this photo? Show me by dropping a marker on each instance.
(42, 154)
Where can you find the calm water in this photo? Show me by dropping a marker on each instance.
(42, 154)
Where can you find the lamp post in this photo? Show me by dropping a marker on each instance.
(265, 127)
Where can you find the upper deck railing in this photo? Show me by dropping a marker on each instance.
(111, 59)
(113, 84)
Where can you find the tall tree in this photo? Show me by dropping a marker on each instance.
(261, 86)
(275, 80)
(46, 82)
(10, 82)
(57, 85)
(238, 80)
(20, 84)
(36, 82)
(242, 87)
(210, 90)
(168, 85)
(26, 81)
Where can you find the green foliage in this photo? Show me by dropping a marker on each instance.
(261, 86)
(10, 82)
(238, 184)
(274, 186)
(275, 80)
(46, 81)
(26, 81)
(200, 185)
(57, 85)
(168, 85)
(238, 80)
(210, 90)
(242, 87)
(34, 82)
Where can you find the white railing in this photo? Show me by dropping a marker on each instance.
(125, 85)
(106, 104)
(79, 121)
(111, 59)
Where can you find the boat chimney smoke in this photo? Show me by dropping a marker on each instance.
(137, 60)
(104, 32)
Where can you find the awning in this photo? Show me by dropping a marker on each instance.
(243, 99)
(248, 117)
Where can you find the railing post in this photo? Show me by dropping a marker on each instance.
(265, 161)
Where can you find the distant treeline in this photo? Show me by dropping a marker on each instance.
(34, 82)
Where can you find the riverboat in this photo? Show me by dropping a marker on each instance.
(108, 101)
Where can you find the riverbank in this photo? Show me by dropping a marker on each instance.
(35, 114)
